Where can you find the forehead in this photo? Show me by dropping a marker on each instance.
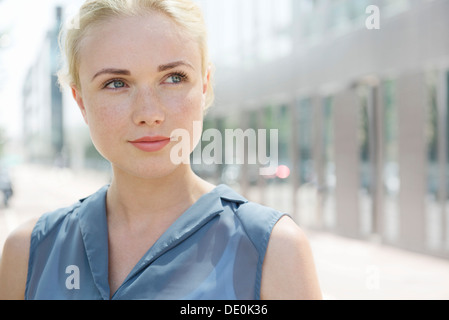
(137, 42)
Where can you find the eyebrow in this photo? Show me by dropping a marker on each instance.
(122, 72)
(175, 64)
(125, 72)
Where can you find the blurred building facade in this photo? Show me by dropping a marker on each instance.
(53, 130)
(362, 113)
(43, 136)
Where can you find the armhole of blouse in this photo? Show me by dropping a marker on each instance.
(41, 229)
(33, 244)
(258, 222)
(266, 240)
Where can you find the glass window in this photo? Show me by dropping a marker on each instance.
(330, 180)
(391, 164)
(446, 217)
(274, 118)
(284, 126)
(363, 135)
(394, 7)
(305, 134)
(365, 139)
(447, 139)
(278, 193)
(433, 207)
(357, 8)
(431, 136)
(230, 170)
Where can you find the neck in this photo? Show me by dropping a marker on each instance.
(133, 199)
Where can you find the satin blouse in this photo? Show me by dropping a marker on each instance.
(214, 251)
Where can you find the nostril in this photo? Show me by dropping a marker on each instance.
(149, 122)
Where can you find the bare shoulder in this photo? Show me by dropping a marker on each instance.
(289, 270)
(14, 262)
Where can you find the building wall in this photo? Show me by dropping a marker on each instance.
(380, 97)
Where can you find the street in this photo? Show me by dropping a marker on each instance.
(347, 268)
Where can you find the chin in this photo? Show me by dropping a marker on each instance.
(142, 165)
(149, 170)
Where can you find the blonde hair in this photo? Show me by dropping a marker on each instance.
(93, 12)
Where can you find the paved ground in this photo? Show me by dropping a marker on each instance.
(348, 269)
(39, 189)
(352, 269)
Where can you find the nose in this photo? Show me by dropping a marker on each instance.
(147, 109)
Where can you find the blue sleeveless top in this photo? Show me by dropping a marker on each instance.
(214, 251)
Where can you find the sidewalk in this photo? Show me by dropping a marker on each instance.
(359, 270)
(347, 268)
(38, 190)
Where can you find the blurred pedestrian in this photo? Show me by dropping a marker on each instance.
(6, 186)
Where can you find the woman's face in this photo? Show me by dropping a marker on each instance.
(140, 79)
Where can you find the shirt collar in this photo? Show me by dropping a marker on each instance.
(229, 194)
(94, 230)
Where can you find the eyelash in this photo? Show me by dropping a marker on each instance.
(107, 83)
(180, 74)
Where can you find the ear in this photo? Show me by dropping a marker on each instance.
(206, 86)
(206, 81)
(79, 100)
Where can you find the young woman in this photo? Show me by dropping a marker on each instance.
(139, 70)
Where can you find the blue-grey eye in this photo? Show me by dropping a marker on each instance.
(115, 84)
(174, 79)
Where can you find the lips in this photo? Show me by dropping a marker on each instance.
(151, 144)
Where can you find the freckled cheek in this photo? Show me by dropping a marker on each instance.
(106, 119)
(188, 107)
(100, 108)
(187, 116)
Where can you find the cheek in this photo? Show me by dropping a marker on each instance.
(104, 113)
(192, 118)
(189, 116)
(105, 121)
(190, 106)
